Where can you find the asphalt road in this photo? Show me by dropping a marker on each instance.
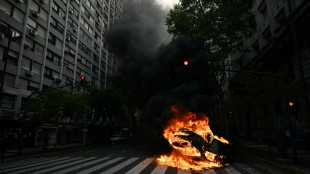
(132, 157)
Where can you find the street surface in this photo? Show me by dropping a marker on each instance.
(129, 158)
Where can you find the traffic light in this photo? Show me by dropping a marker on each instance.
(83, 81)
(291, 104)
(293, 107)
(185, 62)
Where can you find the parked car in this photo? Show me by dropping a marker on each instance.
(119, 136)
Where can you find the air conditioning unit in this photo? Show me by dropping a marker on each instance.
(1, 35)
(35, 13)
(33, 32)
(29, 73)
(75, 30)
(71, 11)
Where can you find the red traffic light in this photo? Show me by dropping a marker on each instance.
(291, 104)
(82, 77)
(186, 62)
(20, 115)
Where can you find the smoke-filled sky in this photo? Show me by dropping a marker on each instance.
(154, 66)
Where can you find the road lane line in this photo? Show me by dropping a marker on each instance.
(80, 166)
(43, 166)
(120, 166)
(159, 169)
(209, 171)
(231, 170)
(249, 169)
(64, 165)
(35, 164)
(97, 167)
(138, 168)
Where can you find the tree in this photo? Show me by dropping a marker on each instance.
(218, 25)
(56, 106)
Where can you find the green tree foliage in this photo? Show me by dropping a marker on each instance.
(107, 100)
(52, 106)
(217, 24)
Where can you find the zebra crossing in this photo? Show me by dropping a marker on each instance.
(104, 165)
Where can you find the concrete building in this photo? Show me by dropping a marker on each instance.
(280, 45)
(53, 41)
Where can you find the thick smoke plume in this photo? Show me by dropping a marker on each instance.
(156, 68)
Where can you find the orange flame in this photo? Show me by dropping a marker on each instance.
(190, 136)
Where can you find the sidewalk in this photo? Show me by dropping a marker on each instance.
(261, 152)
(12, 154)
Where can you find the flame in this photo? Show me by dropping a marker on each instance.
(190, 136)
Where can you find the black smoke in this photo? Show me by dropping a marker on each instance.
(155, 69)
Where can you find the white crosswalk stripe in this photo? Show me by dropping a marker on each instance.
(159, 169)
(43, 166)
(248, 168)
(120, 166)
(231, 170)
(64, 165)
(23, 162)
(138, 168)
(34, 164)
(97, 167)
(81, 165)
(183, 172)
(209, 171)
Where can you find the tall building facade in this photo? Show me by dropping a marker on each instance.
(280, 45)
(53, 41)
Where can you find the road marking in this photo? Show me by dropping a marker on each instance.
(64, 165)
(120, 166)
(209, 171)
(159, 169)
(231, 170)
(81, 166)
(183, 172)
(248, 168)
(43, 166)
(97, 167)
(23, 162)
(138, 168)
(35, 164)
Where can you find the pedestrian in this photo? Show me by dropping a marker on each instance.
(45, 141)
(2, 149)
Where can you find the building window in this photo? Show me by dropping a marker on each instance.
(12, 58)
(51, 39)
(53, 57)
(8, 101)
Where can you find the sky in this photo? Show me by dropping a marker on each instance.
(167, 4)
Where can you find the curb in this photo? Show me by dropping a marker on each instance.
(272, 163)
(49, 153)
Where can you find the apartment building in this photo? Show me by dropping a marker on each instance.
(280, 45)
(53, 41)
